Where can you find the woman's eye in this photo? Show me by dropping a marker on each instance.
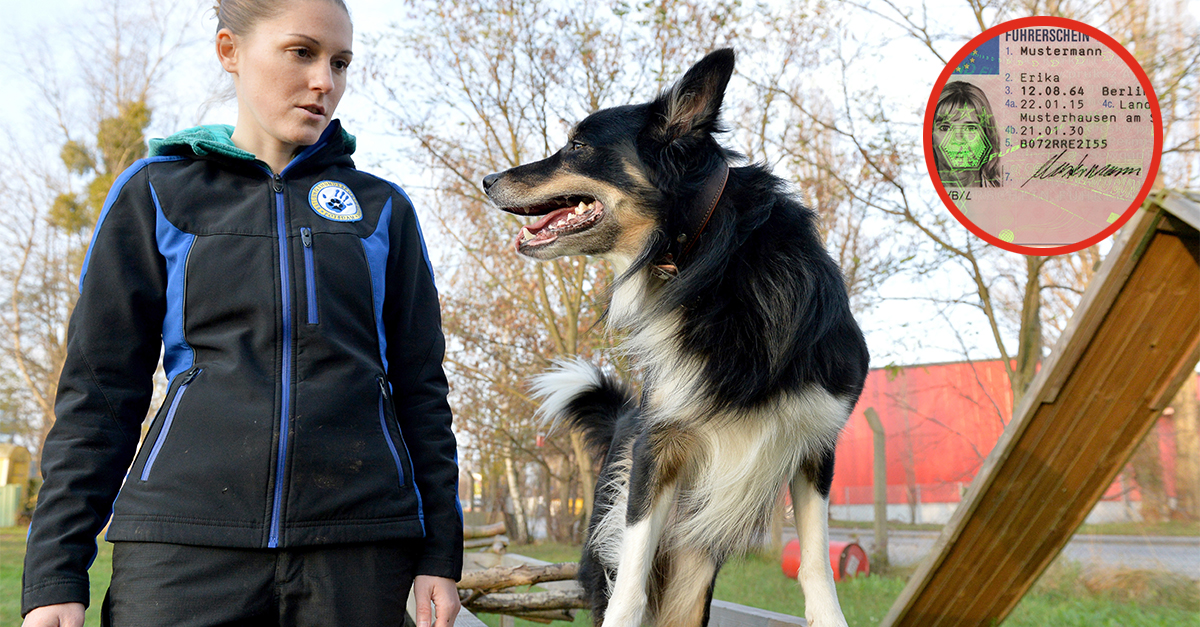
(303, 53)
(340, 65)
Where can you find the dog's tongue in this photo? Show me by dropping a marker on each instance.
(548, 218)
(535, 229)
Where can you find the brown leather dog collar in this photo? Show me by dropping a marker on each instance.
(694, 223)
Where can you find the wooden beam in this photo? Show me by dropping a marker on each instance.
(726, 614)
(466, 619)
(1131, 341)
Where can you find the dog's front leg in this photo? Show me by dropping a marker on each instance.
(651, 493)
(811, 506)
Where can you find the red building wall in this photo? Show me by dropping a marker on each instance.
(941, 422)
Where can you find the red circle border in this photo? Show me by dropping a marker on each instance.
(1056, 22)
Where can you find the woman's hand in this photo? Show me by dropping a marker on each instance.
(60, 615)
(440, 590)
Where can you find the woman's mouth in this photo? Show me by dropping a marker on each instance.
(315, 110)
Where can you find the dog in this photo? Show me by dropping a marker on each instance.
(741, 323)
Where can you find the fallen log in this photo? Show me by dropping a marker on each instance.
(483, 531)
(525, 603)
(547, 616)
(500, 577)
(475, 543)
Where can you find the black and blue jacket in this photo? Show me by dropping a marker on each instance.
(302, 343)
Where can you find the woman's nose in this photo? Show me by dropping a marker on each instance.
(321, 78)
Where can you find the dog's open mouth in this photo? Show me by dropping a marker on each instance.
(563, 216)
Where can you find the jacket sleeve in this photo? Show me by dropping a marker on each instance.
(104, 390)
(415, 348)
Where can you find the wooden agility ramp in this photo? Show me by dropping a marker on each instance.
(1133, 340)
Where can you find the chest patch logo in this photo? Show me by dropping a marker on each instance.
(334, 201)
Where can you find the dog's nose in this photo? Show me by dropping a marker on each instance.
(490, 180)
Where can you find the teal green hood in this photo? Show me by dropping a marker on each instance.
(216, 140)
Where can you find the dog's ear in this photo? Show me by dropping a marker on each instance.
(691, 105)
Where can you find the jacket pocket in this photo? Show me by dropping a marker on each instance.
(310, 276)
(168, 419)
(385, 402)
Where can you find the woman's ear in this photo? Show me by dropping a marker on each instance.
(227, 50)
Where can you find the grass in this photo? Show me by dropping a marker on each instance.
(1068, 595)
(1165, 528)
(12, 558)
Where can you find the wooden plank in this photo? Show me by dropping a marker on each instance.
(467, 619)
(726, 614)
(1185, 206)
(1100, 294)
(1053, 521)
(1095, 433)
(1032, 465)
(1101, 390)
(1095, 303)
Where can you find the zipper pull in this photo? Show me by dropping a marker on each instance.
(277, 183)
(383, 387)
(191, 374)
(306, 236)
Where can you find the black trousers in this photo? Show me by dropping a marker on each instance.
(156, 585)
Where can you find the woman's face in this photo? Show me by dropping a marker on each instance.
(290, 71)
(959, 139)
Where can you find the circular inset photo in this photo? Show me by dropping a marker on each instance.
(1043, 135)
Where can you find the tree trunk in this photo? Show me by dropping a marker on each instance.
(587, 480)
(514, 494)
(1029, 342)
(565, 520)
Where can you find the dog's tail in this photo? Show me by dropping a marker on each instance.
(579, 394)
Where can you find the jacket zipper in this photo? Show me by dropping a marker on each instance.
(310, 277)
(285, 374)
(386, 397)
(170, 417)
(285, 293)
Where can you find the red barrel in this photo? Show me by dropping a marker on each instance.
(847, 559)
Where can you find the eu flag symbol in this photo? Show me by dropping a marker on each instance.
(983, 60)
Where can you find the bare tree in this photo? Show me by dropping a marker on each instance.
(98, 117)
(474, 88)
(1026, 298)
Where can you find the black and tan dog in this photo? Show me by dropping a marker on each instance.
(741, 322)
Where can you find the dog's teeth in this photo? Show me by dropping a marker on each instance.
(525, 234)
(579, 209)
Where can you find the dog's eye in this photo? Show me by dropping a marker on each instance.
(576, 145)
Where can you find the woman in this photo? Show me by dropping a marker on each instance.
(301, 469)
(965, 141)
